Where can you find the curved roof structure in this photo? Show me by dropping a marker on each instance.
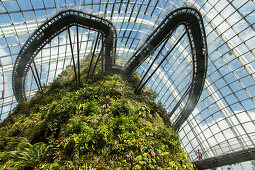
(223, 121)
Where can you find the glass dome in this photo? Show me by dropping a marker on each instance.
(223, 120)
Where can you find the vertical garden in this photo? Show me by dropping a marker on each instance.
(102, 124)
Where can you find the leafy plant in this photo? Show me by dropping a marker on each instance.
(253, 162)
(101, 124)
(26, 156)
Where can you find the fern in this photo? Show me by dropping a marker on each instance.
(27, 157)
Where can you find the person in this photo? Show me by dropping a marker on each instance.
(199, 154)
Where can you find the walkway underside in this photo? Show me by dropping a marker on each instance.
(227, 159)
(192, 21)
(50, 29)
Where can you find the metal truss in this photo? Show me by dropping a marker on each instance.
(223, 119)
(192, 21)
(188, 17)
(50, 29)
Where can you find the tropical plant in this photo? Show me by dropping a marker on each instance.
(26, 156)
(253, 163)
(100, 124)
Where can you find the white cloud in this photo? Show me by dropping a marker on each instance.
(5, 59)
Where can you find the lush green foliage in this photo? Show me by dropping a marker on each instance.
(253, 163)
(101, 124)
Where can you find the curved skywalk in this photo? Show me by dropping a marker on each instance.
(222, 122)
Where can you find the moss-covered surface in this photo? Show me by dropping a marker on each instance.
(102, 124)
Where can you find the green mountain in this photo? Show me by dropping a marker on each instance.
(101, 124)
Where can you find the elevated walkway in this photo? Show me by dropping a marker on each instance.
(189, 18)
(226, 159)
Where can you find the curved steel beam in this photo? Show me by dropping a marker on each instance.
(50, 29)
(193, 22)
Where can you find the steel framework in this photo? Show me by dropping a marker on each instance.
(193, 24)
(189, 17)
(47, 32)
(223, 121)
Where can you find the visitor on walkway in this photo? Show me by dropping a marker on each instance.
(199, 154)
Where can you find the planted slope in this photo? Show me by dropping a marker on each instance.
(101, 124)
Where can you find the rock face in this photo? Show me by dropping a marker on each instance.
(102, 124)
